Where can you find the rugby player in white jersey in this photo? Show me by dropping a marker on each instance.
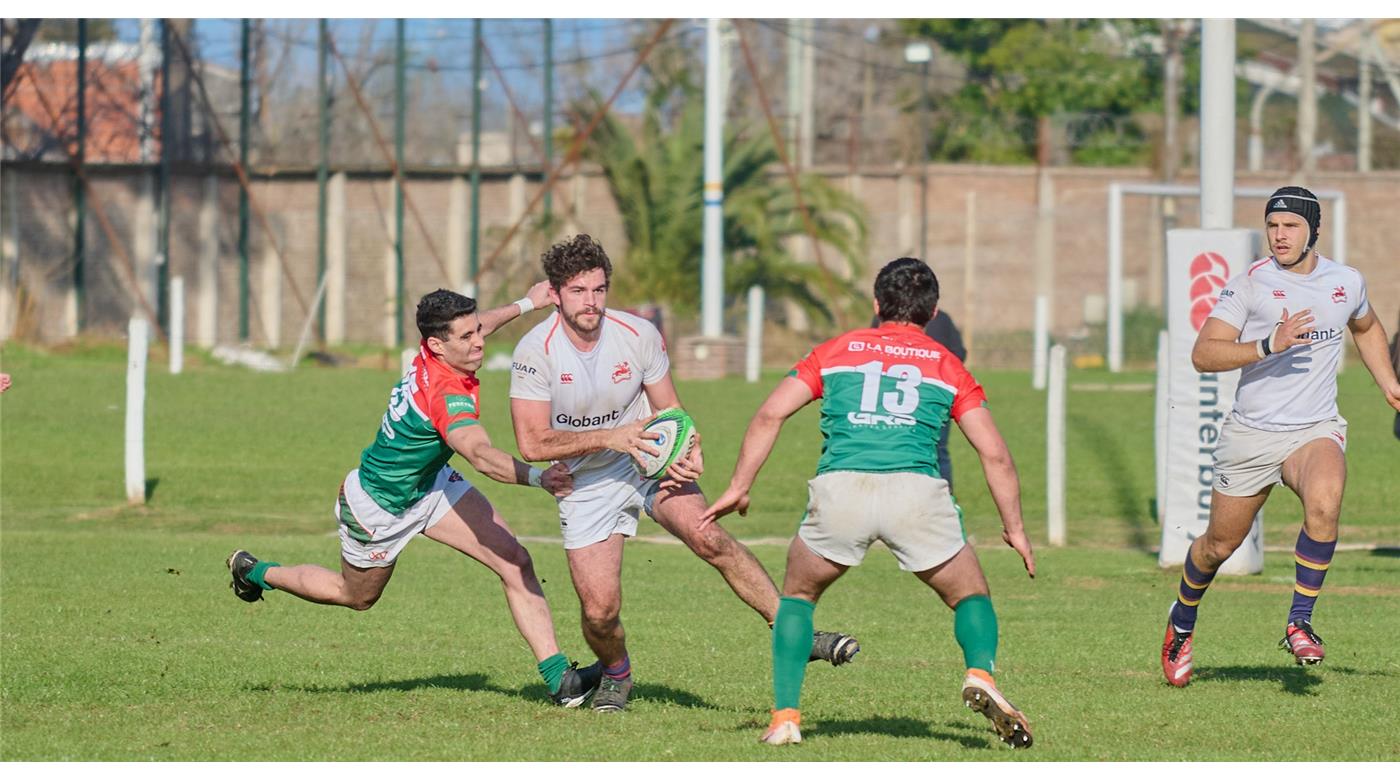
(1282, 324)
(584, 383)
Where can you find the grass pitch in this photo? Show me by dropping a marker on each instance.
(119, 638)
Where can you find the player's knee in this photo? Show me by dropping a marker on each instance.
(712, 544)
(601, 617)
(1216, 550)
(360, 603)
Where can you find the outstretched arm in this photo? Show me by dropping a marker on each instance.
(538, 295)
(790, 395)
(1000, 470)
(472, 443)
(1369, 334)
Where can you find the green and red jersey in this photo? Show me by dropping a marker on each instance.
(399, 467)
(887, 394)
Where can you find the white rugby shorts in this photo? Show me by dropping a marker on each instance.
(605, 501)
(913, 514)
(1247, 460)
(371, 536)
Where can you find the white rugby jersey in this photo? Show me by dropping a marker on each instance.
(601, 388)
(1296, 387)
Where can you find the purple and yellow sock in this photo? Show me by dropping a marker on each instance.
(621, 671)
(1193, 586)
(1311, 559)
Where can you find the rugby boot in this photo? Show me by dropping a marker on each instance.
(784, 729)
(1304, 643)
(612, 694)
(577, 684)
(1176, 655)
(833, 647)
(240, 563)
(980, 693)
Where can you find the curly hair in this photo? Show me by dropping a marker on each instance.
(568, 259)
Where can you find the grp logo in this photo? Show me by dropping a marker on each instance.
(1209, 271)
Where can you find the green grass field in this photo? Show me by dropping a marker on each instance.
(119, 638)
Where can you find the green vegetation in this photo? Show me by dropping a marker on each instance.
(121, 641)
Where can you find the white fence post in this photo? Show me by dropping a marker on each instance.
(1042, 341)
(138, 339)
(177, 324)
(1055, 447)
(754, 355)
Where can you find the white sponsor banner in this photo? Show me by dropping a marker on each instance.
(1199, 262)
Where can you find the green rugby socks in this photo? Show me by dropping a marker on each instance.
(792, 645)
(975, 628)
(255, 575)
(552, 670)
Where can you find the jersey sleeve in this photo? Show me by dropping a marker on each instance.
(529, 371)
(655, 362)
(1232, 307)
(453, 407)
(809, 371)
(1362, 304)
(968, 394)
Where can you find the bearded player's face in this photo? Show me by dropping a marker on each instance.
(583, 300)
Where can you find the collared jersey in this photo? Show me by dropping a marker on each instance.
(887, 394)
(600, 388)
(400, 465)
(1296, 387)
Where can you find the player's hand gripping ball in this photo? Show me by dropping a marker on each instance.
(677, 438)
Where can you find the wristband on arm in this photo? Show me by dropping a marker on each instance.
(526, 305)
(535, 477)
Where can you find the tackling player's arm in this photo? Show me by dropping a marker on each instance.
(1371, 343)
(538, 440)
(981, 431)
(1218, 347)
(495, 318)
(472, 443)
(790, 395)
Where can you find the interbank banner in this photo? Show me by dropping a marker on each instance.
(1199, 263)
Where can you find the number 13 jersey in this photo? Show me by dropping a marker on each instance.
(887, 394)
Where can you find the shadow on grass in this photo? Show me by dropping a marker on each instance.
(1297, 680)
(1112, 461)
(481, 683)
(964, 734)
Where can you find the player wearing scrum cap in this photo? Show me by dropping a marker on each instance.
(1281, 323)
(584, 384)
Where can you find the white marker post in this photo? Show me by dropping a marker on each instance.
(177, 324)
(754, 355)
(1055, 448)
(1042, 341)
(137, 334)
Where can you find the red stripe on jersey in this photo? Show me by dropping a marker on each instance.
(552, 328)
(1257, 265)
(623, 324)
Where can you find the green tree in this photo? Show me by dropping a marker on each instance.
(1095, 72)
(655, 169)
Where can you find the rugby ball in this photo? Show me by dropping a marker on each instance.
(677, 438)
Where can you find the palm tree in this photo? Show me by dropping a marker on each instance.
(655, 173)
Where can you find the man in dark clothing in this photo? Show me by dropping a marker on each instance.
(942, 330)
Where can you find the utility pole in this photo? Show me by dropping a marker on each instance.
(548, 114)
(244, 125)
(1363, 110)
(1307, 98)
(920, 54)
(399, 55)
(79, 203)
(163, 187)
(473, 256)
(712, 263)
(323, 162)
(1218, 124)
